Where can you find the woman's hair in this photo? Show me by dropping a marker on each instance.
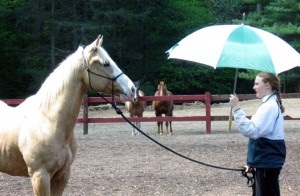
(275, 84)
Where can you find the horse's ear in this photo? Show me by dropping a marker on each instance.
(137, 84)
(99, 41)
(161, 81)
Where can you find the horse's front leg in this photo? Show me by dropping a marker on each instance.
(134, 130)
(159, 128)
(138, 124)
(159, 124)
(40, 181)
(58, 183)
(169, 127)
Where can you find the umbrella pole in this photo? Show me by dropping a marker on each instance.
(234, 89)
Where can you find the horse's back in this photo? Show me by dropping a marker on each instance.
(169, 93)
(7, 114)
(2, 105)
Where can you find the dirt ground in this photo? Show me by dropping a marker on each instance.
(110, 161)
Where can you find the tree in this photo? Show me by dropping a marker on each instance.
(36, 35)
(227, 11)
(282, 19)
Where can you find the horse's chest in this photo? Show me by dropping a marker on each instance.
(163, 107)
(52, 153)
(136, 108)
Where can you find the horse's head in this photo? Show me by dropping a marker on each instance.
(161, 85)
(137, 86)
(103, 74)
(162, 88)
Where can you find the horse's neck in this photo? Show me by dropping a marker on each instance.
(61, 94)
(162, 91)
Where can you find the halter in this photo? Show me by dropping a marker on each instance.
(89, 71)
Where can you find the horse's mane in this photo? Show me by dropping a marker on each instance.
(59, 79)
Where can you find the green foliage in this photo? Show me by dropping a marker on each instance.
(37, 35)
(248, 74)
(8, 6)
(282, 19)
(192, 78)
(227, 11)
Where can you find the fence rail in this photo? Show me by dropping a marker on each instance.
(206, 98)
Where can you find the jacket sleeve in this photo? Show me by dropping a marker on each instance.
(246, 126)
(262, 122)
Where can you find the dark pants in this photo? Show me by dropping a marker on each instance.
(267, 182)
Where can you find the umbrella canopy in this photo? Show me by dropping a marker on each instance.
(237, 46)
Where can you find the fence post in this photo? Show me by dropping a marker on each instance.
(208, 113)
(85, 114)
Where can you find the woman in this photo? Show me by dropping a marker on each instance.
(266, 147)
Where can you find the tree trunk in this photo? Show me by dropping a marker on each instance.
(52, 35)
(259, 8)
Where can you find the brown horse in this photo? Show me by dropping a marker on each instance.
(163, 107)
(136, 108)
(37, 137)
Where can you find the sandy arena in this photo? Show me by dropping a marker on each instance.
(110, 161)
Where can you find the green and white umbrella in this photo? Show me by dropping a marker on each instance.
(237, 46)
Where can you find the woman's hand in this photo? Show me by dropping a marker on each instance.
(234, 101)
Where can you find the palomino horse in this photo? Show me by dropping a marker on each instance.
(163, 107)
(37, 137)
(136, 108)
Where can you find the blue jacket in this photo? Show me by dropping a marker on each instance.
(266, 153)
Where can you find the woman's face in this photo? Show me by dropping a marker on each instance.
(262, 89)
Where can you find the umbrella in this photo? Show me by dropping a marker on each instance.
(236, 46)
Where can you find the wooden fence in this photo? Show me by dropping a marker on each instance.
(206, 98)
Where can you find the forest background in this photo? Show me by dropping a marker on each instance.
(36, 35)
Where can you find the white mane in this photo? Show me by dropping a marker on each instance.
(60, 78)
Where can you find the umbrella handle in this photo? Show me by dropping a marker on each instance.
(234, 89)
(235, 80)
(230, 120)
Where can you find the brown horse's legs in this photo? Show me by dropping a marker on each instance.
(58, 184)
(169, 127)
(135, 131)
(40, 181)
(138, 124)
(160, 128)
(159, 125)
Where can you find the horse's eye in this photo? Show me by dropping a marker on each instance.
(133, 90)
(106, 64)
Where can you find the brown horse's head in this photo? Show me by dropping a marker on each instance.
(162, 88)
(137, 86)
